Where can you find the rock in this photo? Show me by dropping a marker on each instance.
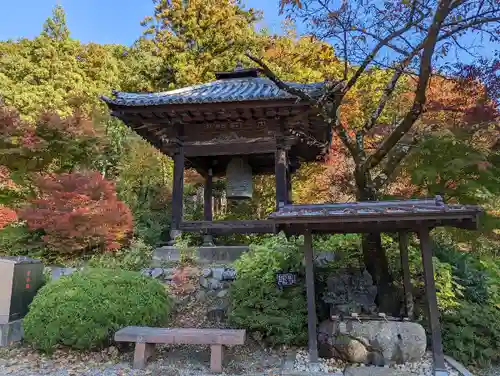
(201, 295)
(229, 274)
(217, 273)
(152, 272)
(218, 312)
(222, 293)
(168, 274)
(323, 258)
(58, 272)
(372, 342)
(210, 283)
(224, 274)
(351, 291)
(375, 371)
(207, 272)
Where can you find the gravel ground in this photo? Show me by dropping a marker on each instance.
(177, 361)
(168, 361)
(420, 368)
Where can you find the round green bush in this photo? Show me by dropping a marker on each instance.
(257, 304)
(85, 309)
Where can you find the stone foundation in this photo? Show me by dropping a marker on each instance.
(211, 285)
(203, 255)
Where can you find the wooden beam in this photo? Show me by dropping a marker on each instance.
(433, 312)
(312, 319)
(405, 267)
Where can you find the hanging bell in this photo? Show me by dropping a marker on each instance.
(239, 184)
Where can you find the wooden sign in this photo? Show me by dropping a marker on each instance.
(286, 279)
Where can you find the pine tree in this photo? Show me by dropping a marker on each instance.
(55, 27)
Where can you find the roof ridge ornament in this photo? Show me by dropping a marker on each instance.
(238, 72)
(239, 66)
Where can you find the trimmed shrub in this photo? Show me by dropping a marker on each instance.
(85, 309)
(135, 258)
(257, 304)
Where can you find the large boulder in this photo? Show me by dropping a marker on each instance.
(372, 341)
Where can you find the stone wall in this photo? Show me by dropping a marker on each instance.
(208, 285)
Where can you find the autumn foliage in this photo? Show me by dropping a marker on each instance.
(7, 216)
(78, 212)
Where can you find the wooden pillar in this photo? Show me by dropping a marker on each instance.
(433, 313)
(312, 319)
(405, 267)
(207, 207)
(288, 185)
(177, 193)
(280, 171)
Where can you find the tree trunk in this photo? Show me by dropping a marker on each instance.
(375, 258)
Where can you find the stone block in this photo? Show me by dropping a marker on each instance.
(166, 254)
(375, 371)
(210, 283)
(11, 333)
(224, 274)
(58, 272)
(220, 254)
(206, 272)
(372, 342)
(152, 272)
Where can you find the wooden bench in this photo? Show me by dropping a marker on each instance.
(146, 338)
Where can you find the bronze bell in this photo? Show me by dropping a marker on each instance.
(239, 184)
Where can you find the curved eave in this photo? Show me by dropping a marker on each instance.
(220, 91)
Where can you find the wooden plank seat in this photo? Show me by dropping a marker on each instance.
(146, 338)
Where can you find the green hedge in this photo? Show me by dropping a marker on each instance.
(85, 309)
(471, 334)
(258, 305)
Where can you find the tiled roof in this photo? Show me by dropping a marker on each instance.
(224, 90)
(362, 209)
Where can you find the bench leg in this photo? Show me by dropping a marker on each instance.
(217, 353)
(143, 351)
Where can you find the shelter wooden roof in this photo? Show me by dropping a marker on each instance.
(240, 113)
(379, 216)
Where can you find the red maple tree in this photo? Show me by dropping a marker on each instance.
(78, 212)
(7, 216)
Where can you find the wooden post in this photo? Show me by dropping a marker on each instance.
(288, 185)
(142, 352)
(177, 193)
(280, 159)
(405, 267)
(207, 207)
(312, 319)
(433, 313)
(216, 358)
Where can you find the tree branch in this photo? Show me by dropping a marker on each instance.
(301, 94)
(393, 160)
(420, 92)
(382, 43)
(388, 90)
(329, 113)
